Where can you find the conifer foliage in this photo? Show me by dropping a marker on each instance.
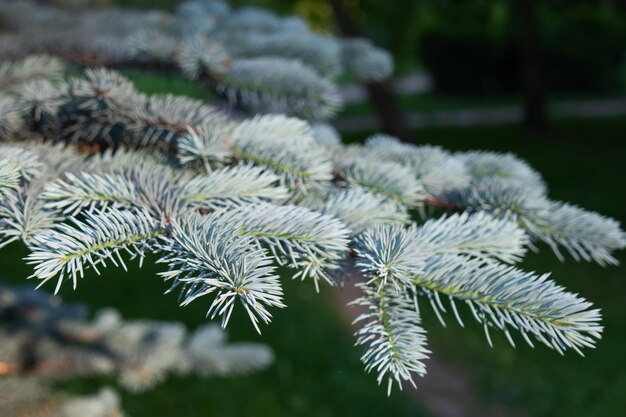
(44, 341)
(95, 174)
(250, 56)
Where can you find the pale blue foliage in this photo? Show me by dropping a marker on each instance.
(479, 235)
(34, 67)
(437, 170)
(498, 295)
(390, 329)
(160, 120)
(230, 186)
(258, 60)
(507, 167)
(359, 209)
(279, 85)
(364, 60)
(504, 297)
(388, 179)
(10, 120)
(225, 201)
(299, 238)
(207, 258)
(584, 234)
(286, 147)
(67, 250)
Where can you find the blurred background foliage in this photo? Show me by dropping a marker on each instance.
(482, 38)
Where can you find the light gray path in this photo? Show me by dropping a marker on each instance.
(410, 84)
(488, 116)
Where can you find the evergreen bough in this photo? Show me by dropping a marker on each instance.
(44, 341)
(95, 173)
(250, 56)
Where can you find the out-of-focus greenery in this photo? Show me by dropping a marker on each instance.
(473, 45)
(156, 82)
(432, 102)
(483, 54)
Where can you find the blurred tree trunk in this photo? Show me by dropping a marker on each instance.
(380, 94)
(534, 92)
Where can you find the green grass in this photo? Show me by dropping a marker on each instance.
(153, 82)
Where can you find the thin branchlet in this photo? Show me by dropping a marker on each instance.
(66, 251)
(391, 333)
(206, 258)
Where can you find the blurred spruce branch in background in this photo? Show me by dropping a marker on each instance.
(251, 56)
(44, 341)
(95, 173)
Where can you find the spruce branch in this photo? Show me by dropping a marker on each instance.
(85, 190)
(358, 209)
(499, 296)
(235, 185)
(314, 50)
(390, 330)
(198, 57)
(364, 60)
(103, 91)
(286, 147)
(35, 67)
(502, 296)
(437, 170)
(67, 250)
(44, 341)
(23, 215)
(279, 64)
(279, 85)
(386, 255)
(301, 239)
(205, 256)
(508, 167)
(39, 102)
(11, 121)
(163, 120)
(221, 199)
(390, 180)
(584, 234)
(478, 235)
(10, 175)
(27, 162)
(206, 148)
(325, 134)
